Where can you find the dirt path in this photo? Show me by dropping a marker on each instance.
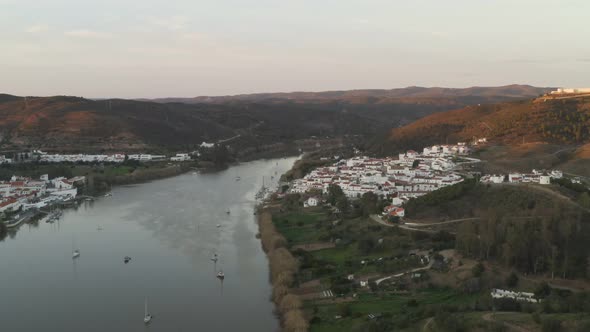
(441, 222)
(378, 220)
(426, 326)
(378, 281)
(490, 318)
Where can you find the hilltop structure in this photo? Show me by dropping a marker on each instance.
(570, 91)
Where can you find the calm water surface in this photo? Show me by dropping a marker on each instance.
(169, 229)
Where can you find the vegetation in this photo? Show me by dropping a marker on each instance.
(283, 267)
(552, 121)
(3, 230)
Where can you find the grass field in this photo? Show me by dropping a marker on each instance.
(396, 307)
(300, 227)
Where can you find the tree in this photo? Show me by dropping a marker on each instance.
(369, 203)
(584, 200)
(344, 310)
(512, 280)
(367, 244)
(478, 269)
(542, 290)
(335, 193)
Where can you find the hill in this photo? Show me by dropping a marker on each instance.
(253, 122)
(536, 120)
(76, 124)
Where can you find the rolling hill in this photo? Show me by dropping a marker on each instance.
(536, 120)
(63, 123)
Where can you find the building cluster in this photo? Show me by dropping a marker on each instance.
(4, 160)
(60, 158)
(181, 157)
(411, 175)
(99, 158)
(570, 91)
(518, 296)
(27, 193)
(541, 177)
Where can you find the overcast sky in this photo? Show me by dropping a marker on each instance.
(149, 48)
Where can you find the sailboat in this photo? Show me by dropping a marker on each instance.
(147, 318)
(220, 275)
(75, 252)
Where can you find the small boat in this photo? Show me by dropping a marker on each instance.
(127, 259)
(228, 212)
(218, 225)
(238, 178)
(147, 318)
(108, 195)
(75, 254)
(214, 258)
(99, 228)
(220, 275)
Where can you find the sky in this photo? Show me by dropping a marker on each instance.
(178, 48)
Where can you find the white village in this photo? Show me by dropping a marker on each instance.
(410, 175)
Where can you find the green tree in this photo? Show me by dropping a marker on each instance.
(369, 204)
(512, 280)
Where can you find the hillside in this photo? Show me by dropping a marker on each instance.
(63, 123)
(537, 120)
(78, 124)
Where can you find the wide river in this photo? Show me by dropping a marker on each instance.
(170, 228)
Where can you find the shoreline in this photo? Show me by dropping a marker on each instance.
(282, 269)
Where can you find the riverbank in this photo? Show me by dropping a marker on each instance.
(283, 267)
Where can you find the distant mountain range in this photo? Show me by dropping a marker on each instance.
(64, 123)
(410, 94)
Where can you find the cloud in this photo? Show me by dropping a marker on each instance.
(38, 28)
(89, 34)
(194, 36)
(362, 21)
(171, 23)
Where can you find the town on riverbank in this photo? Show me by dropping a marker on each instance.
(23, 199)
(405, 244)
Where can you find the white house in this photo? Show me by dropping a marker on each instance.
(311, 202)
(181, 157)
(515, 177)
(62, 184)
(544, 179)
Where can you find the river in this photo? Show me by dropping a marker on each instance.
(169, 229)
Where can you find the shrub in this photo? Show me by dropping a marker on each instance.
(551, 325)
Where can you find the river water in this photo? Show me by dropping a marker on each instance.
(169, 229)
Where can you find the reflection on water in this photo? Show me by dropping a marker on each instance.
(169, 228)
